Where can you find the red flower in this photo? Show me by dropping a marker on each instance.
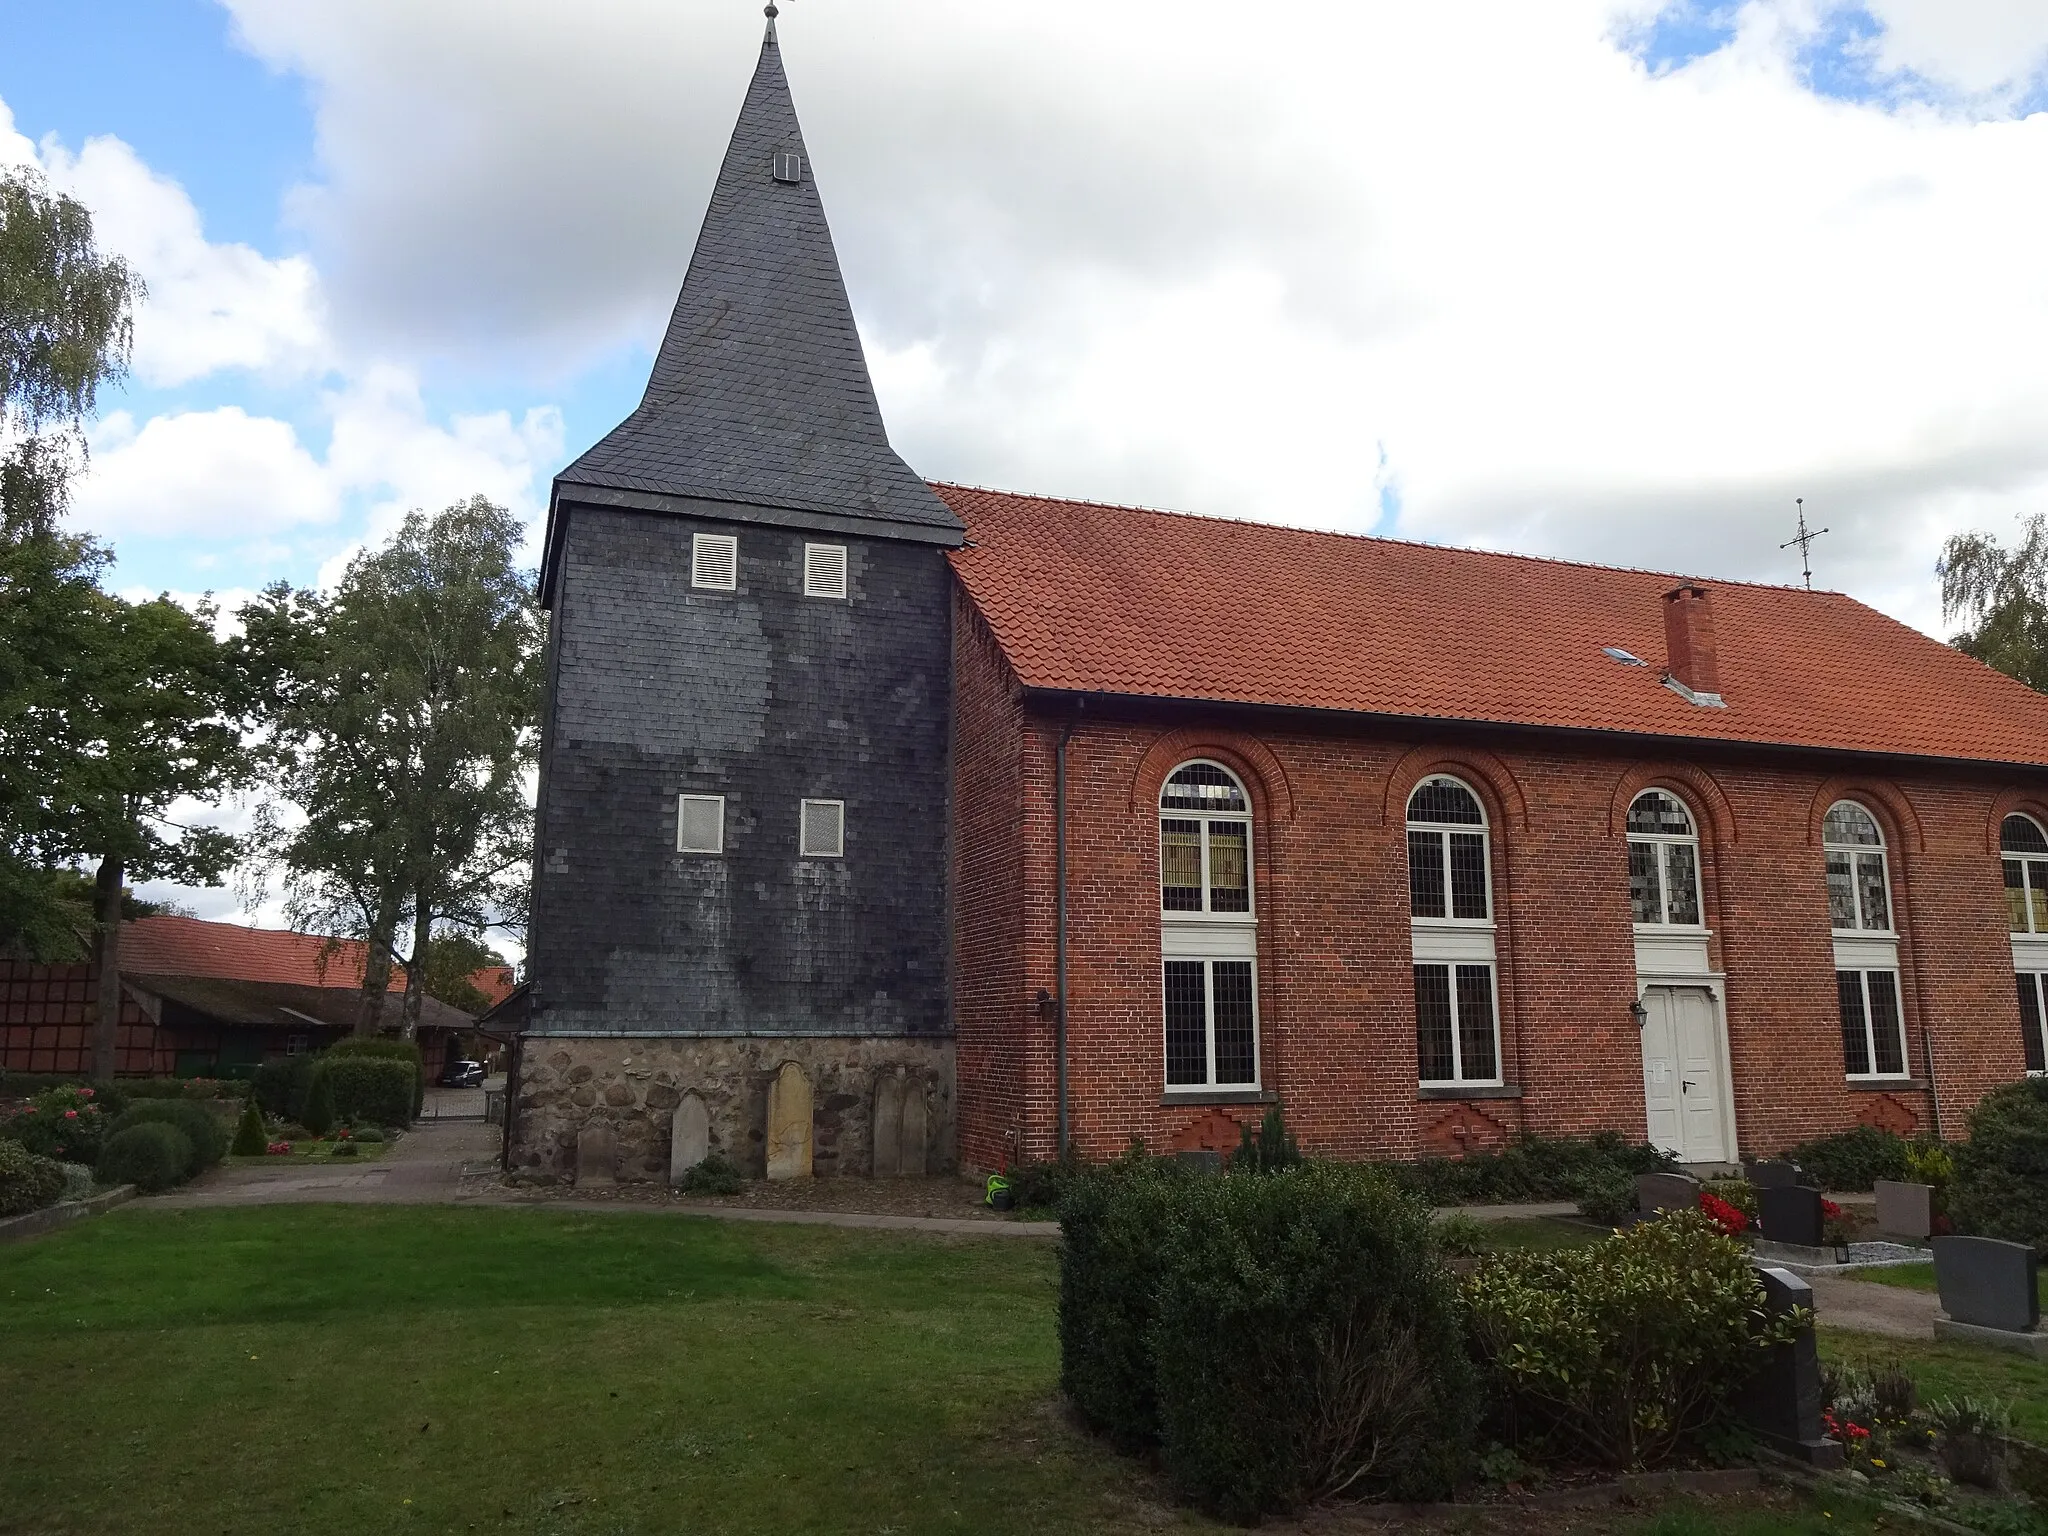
(70, 1114)
(1722, 1214)
(85, 1093)
(1830, 1210)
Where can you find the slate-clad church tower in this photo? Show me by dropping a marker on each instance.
(742, 842)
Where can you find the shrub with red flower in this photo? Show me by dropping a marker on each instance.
(279, 1148)
(1829, 1211)
(62, 1123)
(1722, 1214)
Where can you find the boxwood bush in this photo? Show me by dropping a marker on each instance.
(1618, 1352)
(280, 1085)
(374, 1089)
(203, 1129)
(1852, 1160)
(27, 1182)
(1530, 1168)
(1307, 1343)
(2001, 1172)
(388, 1049)
(150, 1154)
(251, 1140)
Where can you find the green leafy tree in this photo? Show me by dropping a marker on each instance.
(406, 706)
(2001, 594)
(453, 958)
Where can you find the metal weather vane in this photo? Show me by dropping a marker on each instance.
(1805, 542)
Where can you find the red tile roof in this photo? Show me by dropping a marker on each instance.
(1129, 601)
(185, 946)
(495, 982)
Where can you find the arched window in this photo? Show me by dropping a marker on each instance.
(1866, 947)
(1208, 930)
(1450, 905)
(1859, 894)
(1663, 860)
(2025, 847)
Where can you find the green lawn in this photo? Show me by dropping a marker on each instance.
(362, 1369)
(1954, 1370)
(313, 1152)
(1920, 1277)
(1541, 1233)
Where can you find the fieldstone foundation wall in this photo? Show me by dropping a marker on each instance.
(635, 1083)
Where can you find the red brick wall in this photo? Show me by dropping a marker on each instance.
(46, 1021)
(1336, 991)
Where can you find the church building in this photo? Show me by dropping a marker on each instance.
(891, 827)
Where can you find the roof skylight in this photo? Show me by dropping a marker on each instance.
(1626, 658)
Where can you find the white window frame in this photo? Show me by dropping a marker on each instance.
(1863, 973)
(1206, 935)
(1454, 941)
(2037, 980)
(1209, 1086)
(706, 548)
(684, 800)
(803, 821)
(845, 584)
(1853, 851)
(2028, 862)
(1663, 842)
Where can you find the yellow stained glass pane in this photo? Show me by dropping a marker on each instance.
(1229, 872)
(1180, 866)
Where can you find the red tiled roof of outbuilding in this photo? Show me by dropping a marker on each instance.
(187, 946)
(1124, 600)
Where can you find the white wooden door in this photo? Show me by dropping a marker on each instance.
(1682, 1074)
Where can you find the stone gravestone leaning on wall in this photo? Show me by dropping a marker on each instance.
(689, 1136)
(886, 1129)
(914, 1140)
(597, 1156)
(789, 1124)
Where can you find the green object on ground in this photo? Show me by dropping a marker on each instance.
(151, 1154)
(203, 1128)
(1953, 1370)
(250, 1139)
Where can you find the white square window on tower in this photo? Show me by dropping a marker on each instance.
(700, 824)
(715, 561)
(825, 570)
(822, 832)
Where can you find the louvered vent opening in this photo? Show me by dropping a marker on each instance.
(789, 167)
(824, 829)
(700, 824)
(715, 561)
(824, 570)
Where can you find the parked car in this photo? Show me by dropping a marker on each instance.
(461, 1073)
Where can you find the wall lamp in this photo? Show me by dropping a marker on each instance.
(1642, 1014)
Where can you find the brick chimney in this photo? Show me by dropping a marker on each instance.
(1691, 665)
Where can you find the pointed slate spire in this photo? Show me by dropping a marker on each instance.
(760, 394)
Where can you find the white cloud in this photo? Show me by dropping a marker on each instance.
(209, 474)
(1977, 47)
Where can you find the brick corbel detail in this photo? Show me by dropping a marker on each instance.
(1246, 756)
(1886, 1113)
(1213, 1132)
(1507, 805)
(1461, 1129)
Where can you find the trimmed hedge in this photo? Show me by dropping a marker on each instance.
(318, 1110)
(1620, 1351)
(27, 1182)
(1308, 1343)
(1531, 1168)
(1853, 1160)
(2001, 1178)
(151, 1154)
(389, 1049)
(376, 1089)
(280, 1085)
(203, 1130)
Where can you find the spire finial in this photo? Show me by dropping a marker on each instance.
(771, 13)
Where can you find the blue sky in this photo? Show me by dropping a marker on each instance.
(1599, 279)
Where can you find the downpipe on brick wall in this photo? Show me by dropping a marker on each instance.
(1059, 837)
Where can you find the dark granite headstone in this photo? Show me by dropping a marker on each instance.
(1657, 1192)
(1987, 1283)
(1781, 1402)
(1774, 1175)
(1789, 1215)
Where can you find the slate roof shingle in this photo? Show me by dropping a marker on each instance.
(1122, 600)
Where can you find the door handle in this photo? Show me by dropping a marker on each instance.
(1682, 1083)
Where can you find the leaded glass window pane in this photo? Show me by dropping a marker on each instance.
(2018, 907)
(1479, 1059)
(1434, 1058)
(1180, 866)
(1236, 1051)
(2034, 1044)
(1870, 887)
(1468, 875)
(1202, 787)
(1426, 874)
(1849, 823)
(1657, 814)
(1855, 1040)
(2037, 893)
(1887, 1028)
(1644, 899)
(1841, 891)
(1187, 1044)
(1445, 801)
(2021, 834)
(1682, 882)
(1230, 883)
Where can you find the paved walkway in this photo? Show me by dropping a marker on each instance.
(423, 1168)
(1861, 1307)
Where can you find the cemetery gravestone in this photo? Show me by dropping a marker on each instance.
(1774, 1175)
(916, 1135)
(789, 1124)
(597, 1156)
(888, 1125)
(1781, 1402)
(1905, 1210)
(1789, 1215)
(689, 1137)
(1991, 1291)
(1657, 1192)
